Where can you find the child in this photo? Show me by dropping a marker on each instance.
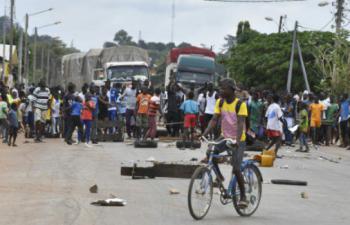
(121, 107)
(190, 110)
(75, 120)
(13, 124)
(86, 116)
(3, 118)
(303, 127)
(152, 115)
(316, 110)
(142, 104)
(55, 115)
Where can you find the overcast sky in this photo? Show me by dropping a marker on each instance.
(89, 23)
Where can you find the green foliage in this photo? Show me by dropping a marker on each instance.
(333, 60)
(54, 45)
(109, 44)
(262, 61)
(123, 38)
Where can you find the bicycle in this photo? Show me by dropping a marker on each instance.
(204, 174)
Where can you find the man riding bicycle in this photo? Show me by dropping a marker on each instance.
(233, 114)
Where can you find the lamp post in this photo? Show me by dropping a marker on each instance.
(35, 43)
(270, 19)
(26, 59)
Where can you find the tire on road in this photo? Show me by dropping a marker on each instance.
(289, 182)
(145, 144)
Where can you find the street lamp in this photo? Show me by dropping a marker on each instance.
(270, 19)
(323, 4)
(26, 69)
(35, 40)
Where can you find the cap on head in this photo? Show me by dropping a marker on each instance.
(228, 82)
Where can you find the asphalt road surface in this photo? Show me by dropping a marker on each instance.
(48, 184)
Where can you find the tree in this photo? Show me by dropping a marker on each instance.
(122, 38)
(333, 60)
(262, 61)
(109, 44)
(184, 45)
(231, 41)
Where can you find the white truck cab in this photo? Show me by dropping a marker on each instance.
(122, 72)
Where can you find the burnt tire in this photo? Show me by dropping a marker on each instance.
(145, 144)
(289, 182)
(188, 144)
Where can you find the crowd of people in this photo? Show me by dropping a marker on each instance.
(274, 118)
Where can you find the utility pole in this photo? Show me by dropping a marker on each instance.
(307, 85)
(296, 44)
(42, 74)
(339, 15)
(11, 32)
(25, 62)
(280, 24)
(20, 57)
(290, 72)
(48, 67)
(172, 22)
(34, 54)
(3, 46)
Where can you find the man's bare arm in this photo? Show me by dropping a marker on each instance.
(240, 127)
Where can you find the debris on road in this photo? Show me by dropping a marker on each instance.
(194, 160)
(110, 202)
(174, 191)
(94, 189)
(304, 195)
(151, 159)
(284, 167)
(328, 159)
(289, 182)
(179, 169)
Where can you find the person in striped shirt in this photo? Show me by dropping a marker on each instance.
(40, 106)
(152, 115)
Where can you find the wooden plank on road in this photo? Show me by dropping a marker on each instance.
(161, 169)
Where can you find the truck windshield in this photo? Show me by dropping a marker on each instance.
(192, 77)
(127, 72)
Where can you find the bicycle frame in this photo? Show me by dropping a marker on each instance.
(231, 190)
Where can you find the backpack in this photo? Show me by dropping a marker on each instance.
(238, 105)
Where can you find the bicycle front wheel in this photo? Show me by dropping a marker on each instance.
(253, 188)
(200, 193)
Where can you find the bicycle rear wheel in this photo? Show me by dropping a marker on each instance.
(200, 193)
(253, 188)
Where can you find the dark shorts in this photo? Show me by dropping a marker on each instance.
(237, 153)
(13, 130)
(142, 121)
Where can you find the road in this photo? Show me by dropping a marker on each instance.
(49, 183)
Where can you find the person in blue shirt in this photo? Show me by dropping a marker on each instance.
(344, 118)
(190, 110)
(76, 109)
(121, 107)
(94, 90)
(113, 95)
(13, 125)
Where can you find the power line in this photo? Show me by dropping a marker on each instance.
(322, 28)
(254, 1)
(315, 29)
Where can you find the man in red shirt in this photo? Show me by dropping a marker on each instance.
(152, 115)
